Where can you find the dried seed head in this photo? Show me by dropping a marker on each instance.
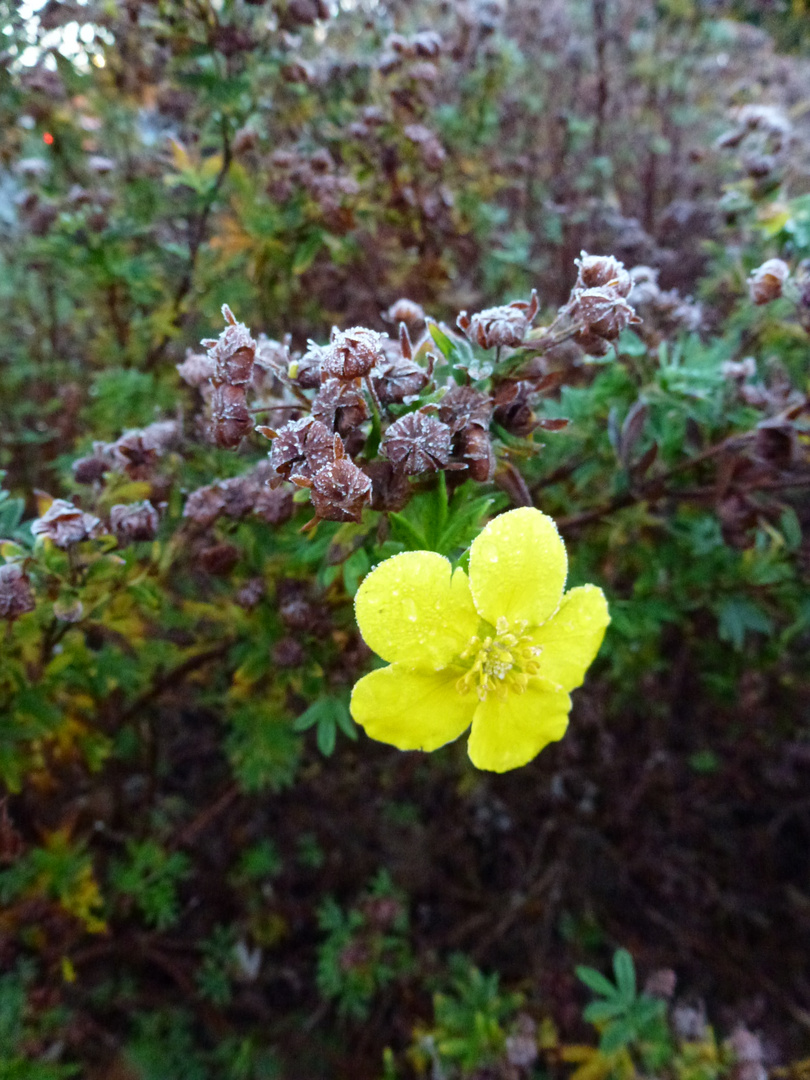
(288, 653)
(352, 353)
(339, 406)
(204, 505)
(603, 310)
(462, 407)
(406, 311)
(134, 453)
(591, 344)
(500, 326)
(230, 418)
(417, 443)
(136, 521)
(432, 151)
(16, 596)
(250, 594)
(197, 368)
(597, 271)
(302, 448)
(65, 524)
(88, 470)
(273, 505)
(340, 491)
(233, 352)
(397, 378)
(765, 283)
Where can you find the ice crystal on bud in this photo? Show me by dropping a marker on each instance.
(136, 521)
(596, 271)
(302, 447)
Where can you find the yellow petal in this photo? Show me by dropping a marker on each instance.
(572, 636)
(412, 609)
(509, 732)
(413, 710)
(518, 567)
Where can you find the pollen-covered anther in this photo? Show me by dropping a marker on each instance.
(501, 662)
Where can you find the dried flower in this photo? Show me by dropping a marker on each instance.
(406, 311)
(303, 447)
(88, 470)
(340, 491)
(499, 326)
(230, 416)
(197, 368)
(16, 596)
(65, 524)
(417, 443)
(273, 505)
(603, 310)
(339, 406)
(513, 408)
(765, 283)
(475, 449)
(597, 271)
(462, 407)
(136, 521)
(390, 489)
(352, 354)
(233, 352)
(250, 594)
(204, 505)
(288, 653)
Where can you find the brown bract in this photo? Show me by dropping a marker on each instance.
(230, 416)
(417, 443)
(65, 524)
(16, 596)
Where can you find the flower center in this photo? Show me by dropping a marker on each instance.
(502, 662)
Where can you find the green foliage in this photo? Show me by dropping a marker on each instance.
(366, 947)
(471, 1020)
(150, 877)
(21, 1029)
(623, 1015)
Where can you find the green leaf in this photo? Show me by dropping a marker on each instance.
(306, 251)
(600, 1011)
(625, 973)
(326, 735)
(595, 981)
(615, 1036)
(736, 616)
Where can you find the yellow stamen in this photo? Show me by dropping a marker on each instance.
(502, 662)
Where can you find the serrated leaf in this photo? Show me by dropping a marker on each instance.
(600, 1011)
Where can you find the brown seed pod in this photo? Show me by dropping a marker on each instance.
(462, 407)
(475, 448)
(604, 311)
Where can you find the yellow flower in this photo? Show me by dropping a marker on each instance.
(499, 650)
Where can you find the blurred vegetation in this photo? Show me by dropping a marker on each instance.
(206, 871)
